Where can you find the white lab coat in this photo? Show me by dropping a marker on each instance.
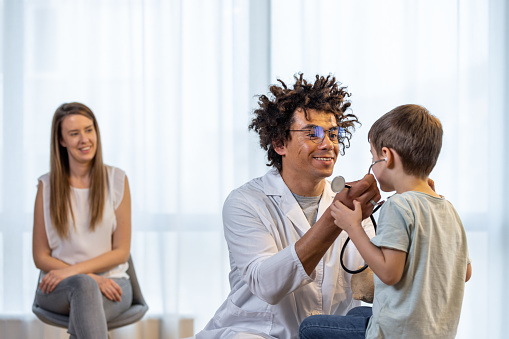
(271, 294)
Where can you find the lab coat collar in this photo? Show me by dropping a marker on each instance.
(274, 185)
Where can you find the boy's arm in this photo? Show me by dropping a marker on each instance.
(469, 272)
(386, 263)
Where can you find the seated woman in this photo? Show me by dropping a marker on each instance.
(82, 228)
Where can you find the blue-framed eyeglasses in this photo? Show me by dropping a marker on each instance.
(317, 134)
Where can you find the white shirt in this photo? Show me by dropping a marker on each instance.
(82, 243)
(271, 294)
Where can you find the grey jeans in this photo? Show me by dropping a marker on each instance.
(89, 311)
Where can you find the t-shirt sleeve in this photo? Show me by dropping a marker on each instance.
(394, 225)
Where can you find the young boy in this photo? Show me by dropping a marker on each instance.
(419, 255)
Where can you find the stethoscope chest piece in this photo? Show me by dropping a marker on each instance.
(338, 184)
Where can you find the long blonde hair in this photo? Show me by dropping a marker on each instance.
(60, 198)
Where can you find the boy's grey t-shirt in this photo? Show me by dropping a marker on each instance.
(426, 302)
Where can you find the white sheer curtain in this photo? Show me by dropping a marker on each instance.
(168, 81)
(172, 85)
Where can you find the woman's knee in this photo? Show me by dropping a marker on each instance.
(82, 282)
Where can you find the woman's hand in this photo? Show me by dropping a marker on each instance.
(54, 277)
(108, 287)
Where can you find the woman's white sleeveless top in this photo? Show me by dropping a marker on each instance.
(82, 243)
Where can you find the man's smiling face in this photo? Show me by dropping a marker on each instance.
(304, 159)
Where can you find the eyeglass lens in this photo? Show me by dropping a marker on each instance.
(318, 134)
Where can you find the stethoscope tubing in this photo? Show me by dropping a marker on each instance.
(348, 239)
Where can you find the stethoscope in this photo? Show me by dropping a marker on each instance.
(337, 185)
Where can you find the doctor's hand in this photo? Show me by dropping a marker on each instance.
(365, 191)
(108, 287)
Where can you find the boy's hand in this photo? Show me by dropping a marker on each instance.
(345, 218)
(363, 190)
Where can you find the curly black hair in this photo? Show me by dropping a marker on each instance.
(275, 115)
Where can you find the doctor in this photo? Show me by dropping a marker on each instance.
(284, 246)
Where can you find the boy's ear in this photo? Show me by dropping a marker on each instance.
(279, 147)
(388, 154)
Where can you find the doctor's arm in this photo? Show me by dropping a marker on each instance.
(263, 253)
(315, 243)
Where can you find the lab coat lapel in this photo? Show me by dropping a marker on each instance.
(274, 185)
(293, 211)
(327, 198)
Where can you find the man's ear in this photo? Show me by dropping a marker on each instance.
(279, 147)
